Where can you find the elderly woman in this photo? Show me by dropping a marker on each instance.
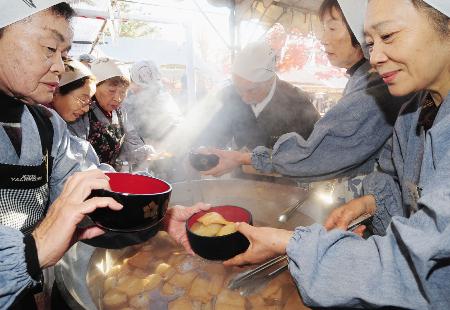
(150, 107)
(74, 95)
(106, 125)
(347, 139)
(408, 267)
(42, 199)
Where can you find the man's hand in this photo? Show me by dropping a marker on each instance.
(265, 243)
(175, 222)
(341, 217)
(58, 230)
(228, 161)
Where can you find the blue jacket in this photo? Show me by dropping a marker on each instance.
(346, 141)
(409, 266)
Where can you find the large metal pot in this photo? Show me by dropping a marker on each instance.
(265, 200)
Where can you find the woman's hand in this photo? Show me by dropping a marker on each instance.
(58, 230)
(228, 161)
(175, 222)
(341, 217)
(265, 243)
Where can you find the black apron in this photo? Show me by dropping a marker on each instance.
(24, 190)
(106, 139)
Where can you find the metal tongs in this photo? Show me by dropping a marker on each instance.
(253, 279)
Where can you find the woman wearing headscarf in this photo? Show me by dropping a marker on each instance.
(43, 197)
(150, 107)
(73, 97)
(408, 266)
(346, 141)
(71, 101)
(36, 154)
(106, 125)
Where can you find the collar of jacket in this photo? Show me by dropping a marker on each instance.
(12, 109)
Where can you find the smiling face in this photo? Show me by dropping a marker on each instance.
(32, 53)
(110, 94)
(405, 48)
(76, 103)
(338, 42)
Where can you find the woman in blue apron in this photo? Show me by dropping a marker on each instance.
(407, 265)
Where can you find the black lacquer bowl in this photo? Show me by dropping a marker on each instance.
(145, 201)
(203, 162)
(220, 247)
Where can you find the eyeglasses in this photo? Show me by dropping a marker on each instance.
(83, 103)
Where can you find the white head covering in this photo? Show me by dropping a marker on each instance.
(256, 62)
(145, 73)
(442, 6)
(355, 14)
(75, 70)
(106, 68)
(13, 11)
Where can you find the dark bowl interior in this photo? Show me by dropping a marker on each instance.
(203, 162)
(145, 201)
(220, 247)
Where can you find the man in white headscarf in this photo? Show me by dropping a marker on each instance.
(150, 107)
(258, 107)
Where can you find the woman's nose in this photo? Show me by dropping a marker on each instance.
(377, 55)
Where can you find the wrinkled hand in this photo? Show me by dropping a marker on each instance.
(58, 231)
(265, 243)
(175, 222)
(341, 217)
(228, 161)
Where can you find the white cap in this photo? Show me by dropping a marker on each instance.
(442, 6)
(145, 73)
(75, 70)
(355, 14)
(21, 9)
(106, 68)
(256, 62)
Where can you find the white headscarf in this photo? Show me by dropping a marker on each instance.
(355, 13)
(442, 6)
(106, 68)
(75, 70)
(13, 11)
(145, 73)
(256, 62)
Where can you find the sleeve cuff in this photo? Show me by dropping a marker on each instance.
(31, 258)
(262, 159)
(386, 197)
